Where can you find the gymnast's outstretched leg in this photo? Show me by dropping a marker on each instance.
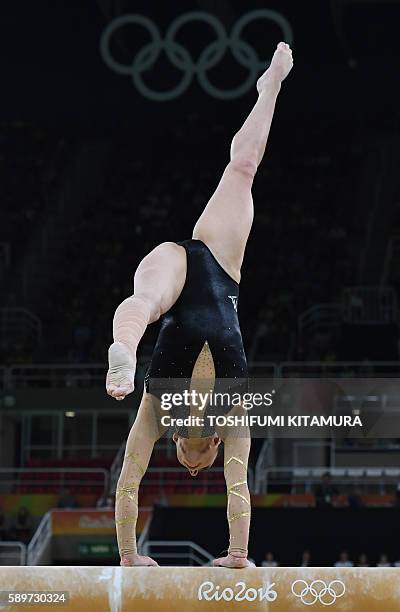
(226, 220)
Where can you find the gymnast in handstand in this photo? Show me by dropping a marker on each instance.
(193, 286)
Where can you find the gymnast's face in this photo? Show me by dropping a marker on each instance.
(195, 454)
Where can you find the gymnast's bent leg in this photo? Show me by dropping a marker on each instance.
(158, 282)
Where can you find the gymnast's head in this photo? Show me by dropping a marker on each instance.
(196, 454)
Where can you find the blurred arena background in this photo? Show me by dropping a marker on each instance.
(95, 171)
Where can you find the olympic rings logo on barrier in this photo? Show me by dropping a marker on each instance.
(181, 58)
(324, 593)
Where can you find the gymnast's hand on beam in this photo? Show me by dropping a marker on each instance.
(280, 66)
(233, 562)
(136, 560)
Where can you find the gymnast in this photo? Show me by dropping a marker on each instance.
(193, 286)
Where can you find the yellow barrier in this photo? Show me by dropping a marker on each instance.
(184, 589)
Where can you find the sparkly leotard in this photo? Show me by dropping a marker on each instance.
(201, 331)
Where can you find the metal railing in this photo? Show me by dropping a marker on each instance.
(178, 550)
(143, 538)
(325, 446)
(40, 540)
(319, 317)
(164, 477)
(43, 376)
(64, 480)
(306, 477)
(116, 467)
(347, 369)
(64, 376)
(264, 464)
(264, 461)
(57, 376)
(12, 553)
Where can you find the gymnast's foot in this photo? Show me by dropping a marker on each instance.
(281, 65)
(120, 379)
(233, 562)
(137, 561)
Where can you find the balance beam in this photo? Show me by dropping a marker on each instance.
(183, 589)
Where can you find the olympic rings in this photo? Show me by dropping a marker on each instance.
(325, 594)
(181, 58)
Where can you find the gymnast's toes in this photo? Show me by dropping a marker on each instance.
(119, 392)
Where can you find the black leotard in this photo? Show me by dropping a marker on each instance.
(206, 311)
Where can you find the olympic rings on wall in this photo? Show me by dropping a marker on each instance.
(181, 58)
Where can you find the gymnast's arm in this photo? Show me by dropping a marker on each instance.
(237, 443)
(145, 432)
